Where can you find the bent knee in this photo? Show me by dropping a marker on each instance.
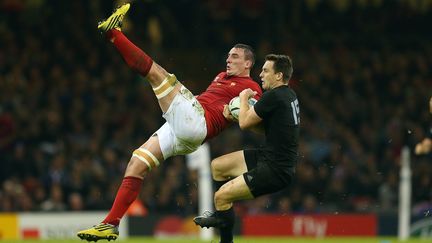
(136, 168)
(142, 161)
(220, 196)
(218, 171)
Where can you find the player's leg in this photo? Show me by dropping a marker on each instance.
(224, 168)
(164, 84)
(227, 167)
(143, 159)
(232, 191)
(260, 179)
(224, 216)
(253, 177)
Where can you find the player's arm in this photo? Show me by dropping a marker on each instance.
(259, 128)
(248, 118)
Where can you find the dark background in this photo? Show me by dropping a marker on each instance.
(71, 112)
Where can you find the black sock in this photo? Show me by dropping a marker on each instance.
(218, 184)
(226, 232)
(227, 215)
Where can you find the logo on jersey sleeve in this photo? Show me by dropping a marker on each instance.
(216, 80)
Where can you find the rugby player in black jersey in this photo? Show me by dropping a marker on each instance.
(247, 174)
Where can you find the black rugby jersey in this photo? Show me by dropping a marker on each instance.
(279, 109)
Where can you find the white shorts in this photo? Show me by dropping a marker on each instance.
(185, 129)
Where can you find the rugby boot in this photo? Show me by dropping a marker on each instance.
(115, 20)
(209, 219)
(101, 231)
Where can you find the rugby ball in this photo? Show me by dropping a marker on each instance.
(234, 106)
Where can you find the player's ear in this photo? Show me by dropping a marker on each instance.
(249, 64)
(279, 76)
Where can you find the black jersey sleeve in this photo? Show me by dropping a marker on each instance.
(265, 105)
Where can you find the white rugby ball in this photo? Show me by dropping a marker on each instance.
(234, 106)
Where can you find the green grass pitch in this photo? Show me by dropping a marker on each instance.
(238, 240)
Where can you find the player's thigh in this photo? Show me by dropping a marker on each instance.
(234, 190)
(229, 166)
(186, 118)
(145, 158)
(264, 179)
(171, 145)
(165, 91)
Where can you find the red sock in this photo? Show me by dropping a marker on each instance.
(126, 194)
(134, 57)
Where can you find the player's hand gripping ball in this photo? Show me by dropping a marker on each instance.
(234, 106)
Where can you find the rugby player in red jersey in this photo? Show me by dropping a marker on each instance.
(190, 120)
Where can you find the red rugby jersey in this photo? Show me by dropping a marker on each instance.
(219, 93)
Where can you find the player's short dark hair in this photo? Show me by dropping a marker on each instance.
(248, 51)
(281, 63)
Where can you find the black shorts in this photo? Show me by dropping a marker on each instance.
(261, 177)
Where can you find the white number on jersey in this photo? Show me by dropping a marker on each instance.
(295, 111)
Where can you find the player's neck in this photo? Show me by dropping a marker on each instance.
(278, 84)
(243, 74)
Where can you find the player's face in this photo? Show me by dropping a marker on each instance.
(268, 76)
(236, 63)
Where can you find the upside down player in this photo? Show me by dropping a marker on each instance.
(190, 120)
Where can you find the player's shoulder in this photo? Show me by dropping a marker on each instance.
(283, 92)
(221, 75)
(291, 93)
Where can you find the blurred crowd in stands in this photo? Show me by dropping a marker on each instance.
(71, 112)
